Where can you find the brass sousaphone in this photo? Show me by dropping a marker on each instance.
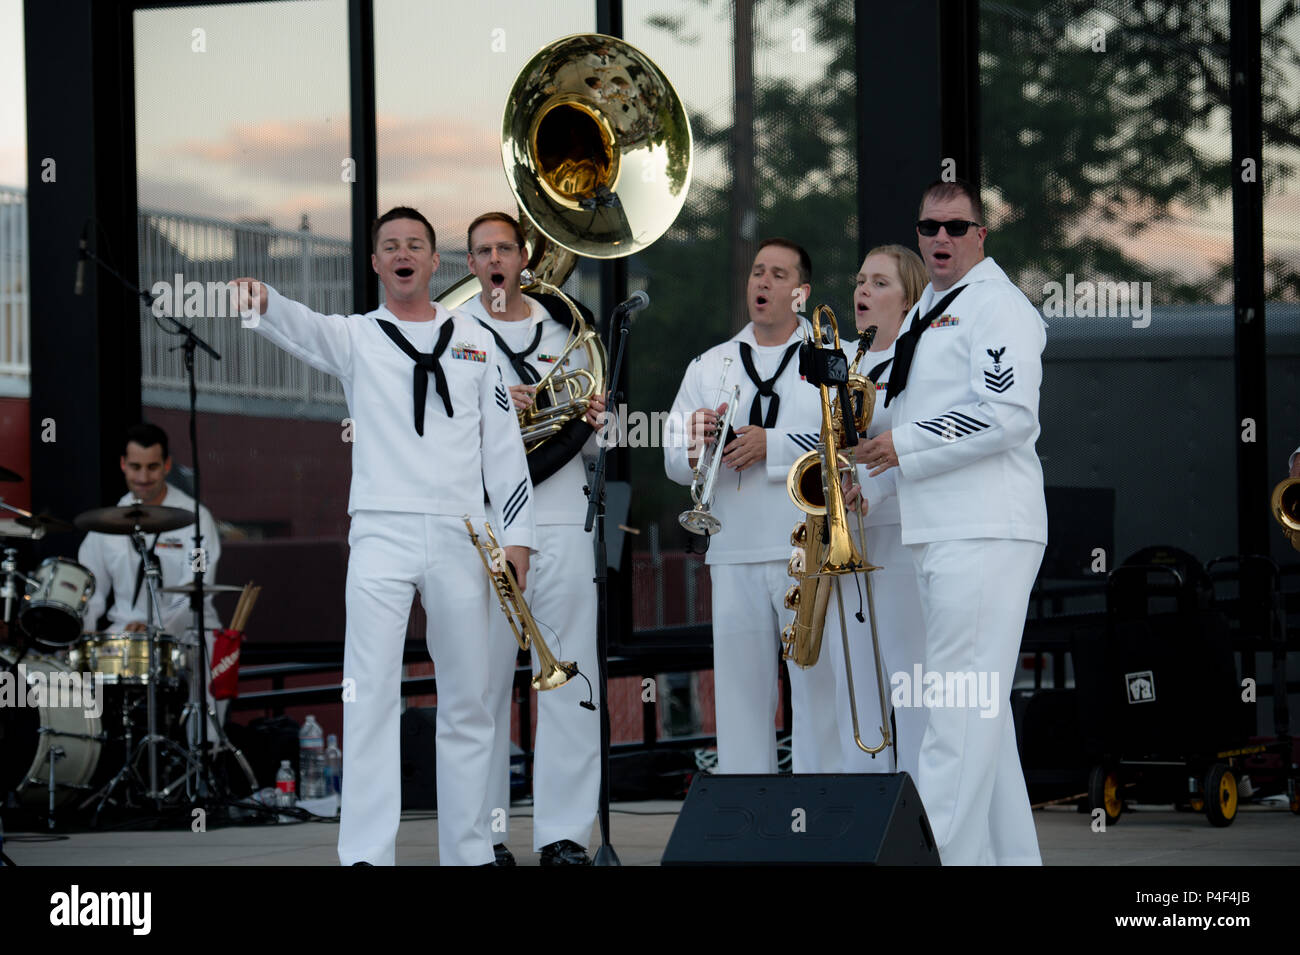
(597, 152)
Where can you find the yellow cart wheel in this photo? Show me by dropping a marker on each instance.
(1104, 792)
(1220, 795)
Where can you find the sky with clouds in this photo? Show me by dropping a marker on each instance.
(242, 110)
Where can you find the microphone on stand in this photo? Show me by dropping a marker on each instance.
(634, 304)
(80, 284)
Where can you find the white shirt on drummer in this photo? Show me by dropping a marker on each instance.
(113, 559)
(560, 498)
(756, 512)
(445, 471)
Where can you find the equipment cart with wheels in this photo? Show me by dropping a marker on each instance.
(1161, 707)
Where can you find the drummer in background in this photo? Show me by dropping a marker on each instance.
(112, 558)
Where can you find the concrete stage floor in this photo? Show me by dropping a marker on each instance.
(1144, 836)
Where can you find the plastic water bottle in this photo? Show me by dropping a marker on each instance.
(334, 768)
(311, 758)
(285, 796)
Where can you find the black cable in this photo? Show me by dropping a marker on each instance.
(858, 616)
(588, 703)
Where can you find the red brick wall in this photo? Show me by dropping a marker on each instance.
(16, 451)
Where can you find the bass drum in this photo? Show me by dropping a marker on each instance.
(27, 733)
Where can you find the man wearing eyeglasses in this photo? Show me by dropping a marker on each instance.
(530, 333)
(961, 459)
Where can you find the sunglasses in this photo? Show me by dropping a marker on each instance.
(956, 227)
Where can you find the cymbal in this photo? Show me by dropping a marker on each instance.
(7, 475)
(9, 527)
(207, 588)
(150, 518)
(49, 522)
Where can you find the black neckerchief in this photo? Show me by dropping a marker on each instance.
(526, 372)
(906, 347)
(425, 364)
(874, 373)
(139, 573)
(765, 388)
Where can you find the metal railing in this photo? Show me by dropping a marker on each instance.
(14, 300)
(186, 255)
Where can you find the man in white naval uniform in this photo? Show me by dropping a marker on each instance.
(112, 558)
(961, 457)
(777, 419)
(418, 466)
(530, 333)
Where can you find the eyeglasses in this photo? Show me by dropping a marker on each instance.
(502, 249)
(955, 227)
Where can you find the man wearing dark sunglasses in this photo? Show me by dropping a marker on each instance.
(961, 458)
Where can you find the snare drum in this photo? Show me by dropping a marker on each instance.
(55, 601)
(28, 733)
(123, 657)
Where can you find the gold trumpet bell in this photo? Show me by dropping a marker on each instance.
(557, 674)
(1285, 502)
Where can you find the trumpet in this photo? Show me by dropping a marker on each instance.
(552, 672)
(824, 547)
(1286, 509)
(698, 520)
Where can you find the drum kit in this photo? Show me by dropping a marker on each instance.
(78, 704)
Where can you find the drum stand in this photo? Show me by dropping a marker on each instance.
(106, 791)
(151, 739)
(194, 736)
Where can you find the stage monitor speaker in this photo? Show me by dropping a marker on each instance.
(802, 820)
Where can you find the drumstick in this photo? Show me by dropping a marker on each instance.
(252, 601)
(237, 622)
(239, 606)
(246, 606)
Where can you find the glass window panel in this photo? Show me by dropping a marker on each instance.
(441, 82)
(242, 141)
(1105, 136)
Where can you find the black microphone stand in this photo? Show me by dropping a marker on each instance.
(596, 514)
(191, 344)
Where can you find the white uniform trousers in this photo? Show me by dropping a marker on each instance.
(392, 556)
(974, 594)
(561, 594)
(748, 616)
(901, 629)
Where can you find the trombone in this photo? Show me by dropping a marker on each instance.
(824, 547)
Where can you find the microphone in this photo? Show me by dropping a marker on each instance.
(638, 301)
(80, 284)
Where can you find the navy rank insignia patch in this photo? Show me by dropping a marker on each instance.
(999, 379)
